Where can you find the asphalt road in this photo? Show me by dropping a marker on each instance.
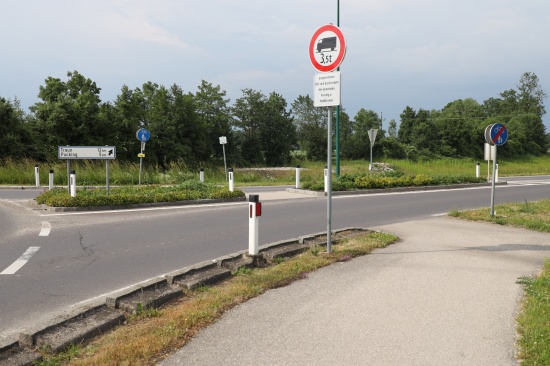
(83, 256)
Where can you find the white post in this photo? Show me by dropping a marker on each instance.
(37, 175)
(496, 173)
(254, 211)
(477, 170)
(51, 180)
(107, 176)
(326, 179)
(201, 175)
(73, 183)
(231, 180)
(298, 177)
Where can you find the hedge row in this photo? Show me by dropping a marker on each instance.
(134, 195)
(389, 180)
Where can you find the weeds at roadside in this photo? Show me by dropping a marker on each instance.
(146, 339)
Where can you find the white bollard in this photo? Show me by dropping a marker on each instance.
(326, 179)
(37, 175)
(496, 174)
(231, 180)
(254, 211)
(201, 175)
(298, 177)
(73, 183)
(50, 181)
(477, 170)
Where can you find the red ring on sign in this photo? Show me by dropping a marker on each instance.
(341, 54)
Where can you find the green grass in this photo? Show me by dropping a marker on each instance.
(93, 172)
(528, 215)
(145, 339)
(533, 323)
(534, 320)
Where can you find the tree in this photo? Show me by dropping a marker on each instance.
(70, 113)
(249, 111)
(15, 136)
(392, 129)
(278, 133)
(214, 113)
(311, 127)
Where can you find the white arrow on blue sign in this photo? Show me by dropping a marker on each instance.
(143, 135)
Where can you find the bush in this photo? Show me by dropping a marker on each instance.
(134, 195)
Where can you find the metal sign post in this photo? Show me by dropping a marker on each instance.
(142, 135)
(327, 49)
(84, 153)
(372, 137)
(223, 141)
(495, 135)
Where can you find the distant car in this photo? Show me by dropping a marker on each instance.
(325, 43)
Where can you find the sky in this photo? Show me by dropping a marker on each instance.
(417, 53)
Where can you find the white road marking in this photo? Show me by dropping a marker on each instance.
(46, 227)
(16, 266)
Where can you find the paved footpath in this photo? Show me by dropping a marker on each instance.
(445, 294)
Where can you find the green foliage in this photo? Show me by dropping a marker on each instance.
(134, 195)
(260, 130)
(390, 180)
(534, 321)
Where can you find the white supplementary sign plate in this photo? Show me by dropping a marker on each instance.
(327, 89)
(86, 152)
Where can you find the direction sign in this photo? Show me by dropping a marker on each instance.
(143, 135)
(327, 48)
(496, 134)
(86, 152)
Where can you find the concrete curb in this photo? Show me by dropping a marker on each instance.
(391, 190)
(83, 323)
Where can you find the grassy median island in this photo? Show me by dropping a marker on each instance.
(390, 179)
(127, 195)
(533, 323)
(151, 334)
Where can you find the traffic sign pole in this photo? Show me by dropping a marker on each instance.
(493, 184)
(329, 181)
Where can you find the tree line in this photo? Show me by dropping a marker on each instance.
(260, 129)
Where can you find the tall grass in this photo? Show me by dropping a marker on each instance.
(93, 172)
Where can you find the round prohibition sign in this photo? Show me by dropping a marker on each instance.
(327, 48)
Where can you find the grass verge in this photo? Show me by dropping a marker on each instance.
(149, 336)
(533, 323)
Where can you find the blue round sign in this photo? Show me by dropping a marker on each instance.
(499, 134)
(143, 135)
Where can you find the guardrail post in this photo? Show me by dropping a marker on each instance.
(298, 177)
(73, 183)
(254, 211)
(51, 179)
(231, 180)
(201, 175)
(37, 175)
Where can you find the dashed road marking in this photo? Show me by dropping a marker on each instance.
(20, 262)
(46, 227)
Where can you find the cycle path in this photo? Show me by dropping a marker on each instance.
(445, 294)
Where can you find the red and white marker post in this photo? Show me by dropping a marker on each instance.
(254, 212)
